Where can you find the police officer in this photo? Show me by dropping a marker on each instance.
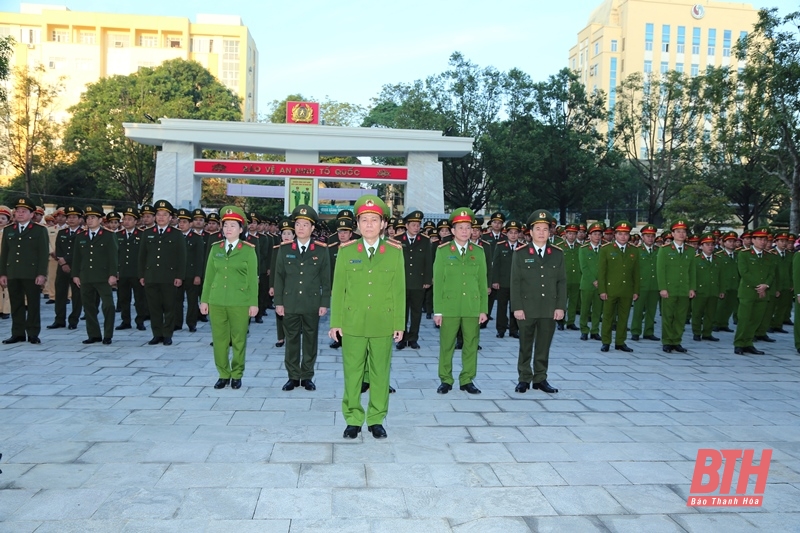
(618, 284)
(128, 241)
(591, 304)
(708, 292)
(571, 250)
(645, 307)
(783, 282)
(94, 272)
(192, 277)
(286, 227)
(368, 310)
(263, 250)
(538, 299)
(162, 265)
(65, 241)
(501, 279)
(757, 273)
(492, 237)
(676, 285)
(729, 282)
(417, 254)
(302, 296)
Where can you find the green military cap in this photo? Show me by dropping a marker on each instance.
(285, 224)
(648, 228)
(693, 238)
(623, 225)
(232, 212)
(782, 234)
(707, 237)
(571, 227)
(27, 203)
(73, 210)
(369, 203)
(212, 216)
(581, 227)
(443, 223)
(345, 213)
(476, 223)
(344, 224)
(148, 209)
(304, 212)
(255, 218)
(198, 213)
(514, 224)
(762, 231)
(540, 216)
(131, 212)
(113, 215)
(792, 236)
(679, 224)
(93, 210)
(414, 216)
(184, 214)
(497, 215)
(596, 226)
(164, 205)
(462, 214)
(666, 235)
(730, 235)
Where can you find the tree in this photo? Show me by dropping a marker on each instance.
(175, 89)
(6, 49)
(703, 205)
(30, 133)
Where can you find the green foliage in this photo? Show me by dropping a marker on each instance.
(705, 206)
(174, 89)
(6, 49)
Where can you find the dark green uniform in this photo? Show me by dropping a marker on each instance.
(729, 284)
(754, 269)
(162, 260)
(796, 282)
(128, 281)
(708, 276)
(645, 307)
(195, 265)
(419, 272)
(618, 277)
(501, 275)
(783, 284)
(572, 264)
(676, 276)
(591, 304)
(65, 244)
(95, 260)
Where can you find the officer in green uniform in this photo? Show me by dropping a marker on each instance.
(676, 285)
(230, 296)
(796, 298)
(729, 282)
(772, 295)
(286, 228)
(128, 241)
(538, 299)
(302, 296)
(646, 305)
(591, 304)
(162, 265)
(460, 300)
(501, 279)
(23, 270)
(94, 272)
(618, 284)
(571, 250)
(708, 276)
(783, 282)
(757, 273)
(65, 244)
(192, 276)
(417, 254)
(368, 309)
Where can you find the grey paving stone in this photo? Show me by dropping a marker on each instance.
(648, 499)
(59, 504)
(476, 503)
(582, 500)
(390, 475)
(219, 504)
(649, 472)
(393, 525)
(82, 526)
(55, 476)
(463, 475)
(701, 523)
(50, 452)
(588, 473)
(301, 453)
(343, 475)
(297, 504)
(368, 503)
(140, 503)
(332, 525)
(494, 525)
(558, 524)
(481, 453)
(497, 434)
(654, 523)
(527, 474)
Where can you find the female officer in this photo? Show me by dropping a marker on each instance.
(287, 235)
(230, 294)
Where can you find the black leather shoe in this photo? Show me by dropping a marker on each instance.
(401, 345)
(500, 335)
(521, 387)
(92, 340)
(753, 350)
(392, 390)
(788, 323)
(413, 345)
(696, 338)
(221, 383)
(459, 345)
(155, 340)
(377, 431)
(573, 327)
(740, 351)
(544, 386)
(167, 342)
(280, 344)
(715, 329)
(236, 383)
(107, 340)
(765, 338)
(364, 387)
(667, 348)
(291, 384)
(622, 348)
(605, 347)
(351, 432)
(470, 388)
(308, 384)
(334, 344)
(634, 337)
(428, 316)
(259, 320)
(514, 335)
(652, 338)
(560, 327)
(34, 340)
(140, 327)
(192, 329)
(679, 348)
(56, 326)
(123, 326)
(595, 337)
(444, 388)
(177, 328)
(202, 318)
(49, 302)
(779, 330)
(584, 336)
(726, 329)
(711, 338)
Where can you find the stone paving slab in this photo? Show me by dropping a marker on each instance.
(133, 438)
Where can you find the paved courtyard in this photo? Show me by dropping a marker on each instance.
(129, 438)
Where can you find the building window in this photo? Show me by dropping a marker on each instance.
(30, 35)
(596, 48)
(681, 39)
(712, 41)
(203, 45)
(726, 43)
(574, 63)
(696, 41)
(86, 37)
(648, 36)
(148, 41)
(648, 66)
(174, 42)
(665, 35)
(664, 67)
(5, 31)
(60, 36)
(119, 40)
(679, 67)
(230, 64)
(695, 69)
(613, 45)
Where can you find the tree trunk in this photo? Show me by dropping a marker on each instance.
(794, 216)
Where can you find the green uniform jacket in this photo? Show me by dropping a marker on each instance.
(95, 260)
(674, 271)
(24, 255)
(796, 274)
(618, 272)
(572, 262)
(538, 286)
(501, 264)
(708, 276)
(729, 267)
(128, 250)
(418, 260)
(65, 244)
(754, 272)
(195, 256)
(589, 261)
(648, 277)
(459, 284)
(162, 258)
(302, 284)
(369, 297)
(231, 280)
(783, 279)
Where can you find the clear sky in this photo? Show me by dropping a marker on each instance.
(348, 49)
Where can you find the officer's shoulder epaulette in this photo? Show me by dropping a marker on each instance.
(605, 244)
(348, 243)
(394, 244)
(520, 246)
(423, 236)
(321, 243)
(250, 244)
(443, 244)
(337, 243)
(276, 246)
(556, 247)
(216, 242)
(287, 242)
(586, 245)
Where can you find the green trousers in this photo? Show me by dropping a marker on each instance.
(591, 304)
(470, 331)
(573, 295)
(229, 329)
(673, 319)
(782, 304)
(796, 325)
(750, 315)
(295, 325)
(358, 353)
(161, 303)
(535, 337)
(725, 308)
(765, 320)
(644, 309)
(616, 309)
(89, 296)
(704, 309)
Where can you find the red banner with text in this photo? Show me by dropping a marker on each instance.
(213, 167)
